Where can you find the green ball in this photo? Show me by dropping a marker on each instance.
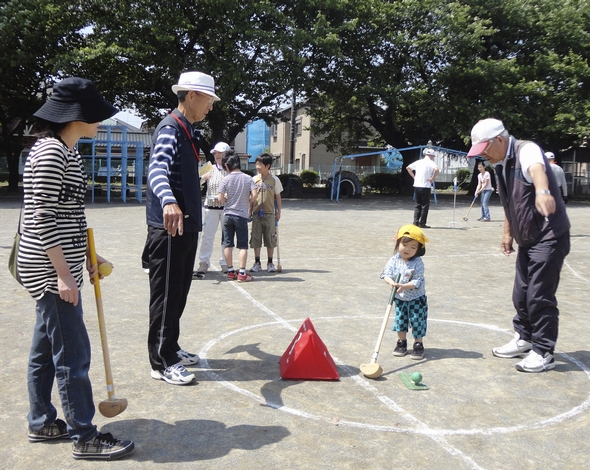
(416, 377)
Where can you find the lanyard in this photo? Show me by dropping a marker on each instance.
(188, 136)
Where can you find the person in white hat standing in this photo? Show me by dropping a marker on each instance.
(538, 222)
(559, 175)
(213, 212)
(424, 172)
(173, 213)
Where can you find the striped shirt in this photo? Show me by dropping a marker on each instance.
(54, 183)
(237, 186)
(165, 168)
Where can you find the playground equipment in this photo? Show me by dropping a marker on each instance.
(348, 184)
(120, 171)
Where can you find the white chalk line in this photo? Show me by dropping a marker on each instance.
(390, 403)
(421, 427)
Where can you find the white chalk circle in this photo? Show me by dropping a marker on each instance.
(449, 404)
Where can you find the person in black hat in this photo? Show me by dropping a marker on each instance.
(51, 260)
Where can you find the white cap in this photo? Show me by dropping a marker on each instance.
(484, 131)
(428, 152)
(550, 155)
(196, 81)
(221, 147)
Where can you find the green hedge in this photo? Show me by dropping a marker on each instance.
(310, 178)
(383, 183)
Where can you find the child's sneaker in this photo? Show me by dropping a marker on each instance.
(401, 349)
(270, 267)
(257, 267)
(56, 430)
(245, 277)
(418, 351)
(232, 276)
(103, 446)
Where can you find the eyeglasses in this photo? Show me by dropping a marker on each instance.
(210, 99)
(485, 151)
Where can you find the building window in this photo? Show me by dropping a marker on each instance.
(298, 127)
(274, 132)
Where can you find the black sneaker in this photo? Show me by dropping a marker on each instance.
(103, 446)
(56, 430)
(418, 352)
(401, 349)
(424, 226)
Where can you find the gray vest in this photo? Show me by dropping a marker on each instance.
(527, 225)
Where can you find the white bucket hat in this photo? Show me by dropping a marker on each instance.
(196, 81)
(221, 147)
(428, 152)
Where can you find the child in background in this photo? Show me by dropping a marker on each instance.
(264, 216)
(236, 191)
(411, 307)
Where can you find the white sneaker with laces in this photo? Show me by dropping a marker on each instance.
(257, 267)
(270, 267)
(176, 375)
(186, 358)
(515, 348)
(203, 267)
(534, 362)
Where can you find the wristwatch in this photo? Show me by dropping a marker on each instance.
(543, 191)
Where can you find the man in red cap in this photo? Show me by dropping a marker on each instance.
(538, 222)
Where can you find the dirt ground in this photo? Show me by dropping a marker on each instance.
(478, 413)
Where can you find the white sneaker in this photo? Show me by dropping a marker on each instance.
(203, 267)
(186, 358)
(257, 267)
(223, 268)
(176, 375)
(534, 362)
(515, 348)
(270, 267)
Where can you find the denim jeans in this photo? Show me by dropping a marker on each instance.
(485, 199)
(60, 350)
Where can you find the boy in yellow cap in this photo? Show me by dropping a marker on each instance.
(411, 306)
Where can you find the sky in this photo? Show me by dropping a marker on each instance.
(129, 118)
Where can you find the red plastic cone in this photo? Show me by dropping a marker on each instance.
(307, 357)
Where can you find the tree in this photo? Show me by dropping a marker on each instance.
(33, 34)
(139, 49)
(403, 73)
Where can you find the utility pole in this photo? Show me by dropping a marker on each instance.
(293, 125)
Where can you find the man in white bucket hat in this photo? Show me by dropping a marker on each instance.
(198, 82)
(173, 209)
(538, 222)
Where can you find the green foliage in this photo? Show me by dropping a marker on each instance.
(284, 177)
(309, 178)
(463, 176)
(35, 36)
(395, 72)
(383, 183)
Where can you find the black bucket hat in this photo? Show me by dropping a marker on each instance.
(75, 99)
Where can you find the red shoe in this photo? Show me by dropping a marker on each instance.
(232, 276)
(245, 278)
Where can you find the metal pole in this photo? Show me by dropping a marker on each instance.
(293, 125)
